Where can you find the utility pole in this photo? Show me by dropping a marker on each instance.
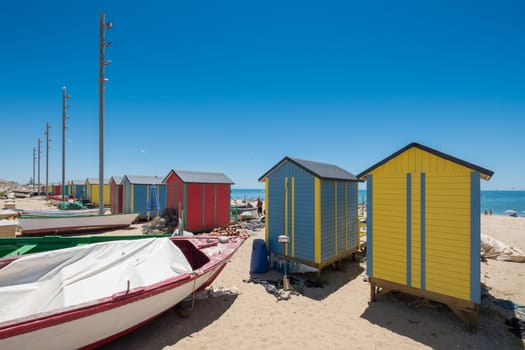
(39, 154)
(34, 159)
(101, 81)
(47, 159)
(65, 97)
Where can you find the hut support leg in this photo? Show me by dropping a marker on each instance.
(373, 291)
(470, 318)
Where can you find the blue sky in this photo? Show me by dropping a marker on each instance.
(234, 86)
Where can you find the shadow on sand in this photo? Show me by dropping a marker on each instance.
(310, 285)
(173, 325)
(435, 325)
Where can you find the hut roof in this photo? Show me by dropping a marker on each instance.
(117, 179)
(321, 170)
(78, 182)
(94, 181)
(144, 180)
(484, 173)
(201, 177)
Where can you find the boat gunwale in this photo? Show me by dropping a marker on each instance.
(29, 324)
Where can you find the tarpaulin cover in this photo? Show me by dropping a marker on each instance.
(61, 278)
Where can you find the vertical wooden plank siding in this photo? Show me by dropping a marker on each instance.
(184, 204)
(203, 208)
(335, 218)
(132, 198)
(293, 216)
(266, 203)
(317, 229)
(369, 226)
(475, 231)
(346, 217)
(286, 211)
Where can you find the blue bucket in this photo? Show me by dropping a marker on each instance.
(259, 262)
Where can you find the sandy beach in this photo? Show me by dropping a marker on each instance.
(240, 314)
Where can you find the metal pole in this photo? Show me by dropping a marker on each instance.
(101, 119)
(64, 126)
(39, 154)
(34, 159)
(101, 81)
(47, 159)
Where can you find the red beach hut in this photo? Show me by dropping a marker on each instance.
(115, 194)
(203, 198)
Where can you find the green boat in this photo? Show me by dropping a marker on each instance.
(24, 245)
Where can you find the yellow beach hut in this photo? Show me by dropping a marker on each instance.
(423, 228)
(92, 191)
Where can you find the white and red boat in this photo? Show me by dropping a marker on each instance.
(86, 296)
(34, 225)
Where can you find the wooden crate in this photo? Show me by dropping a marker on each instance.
(9, 205)
(8, 230)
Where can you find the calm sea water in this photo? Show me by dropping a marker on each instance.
(497, 201)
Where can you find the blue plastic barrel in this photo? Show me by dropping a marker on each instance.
(259, 262)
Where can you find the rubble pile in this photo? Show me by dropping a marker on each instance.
(156, 226)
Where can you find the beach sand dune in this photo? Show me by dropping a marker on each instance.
(242, 314)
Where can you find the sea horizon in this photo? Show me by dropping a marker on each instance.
(495, 201)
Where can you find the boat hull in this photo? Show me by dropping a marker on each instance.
(90, 325)
(38, 225)
(59, 212)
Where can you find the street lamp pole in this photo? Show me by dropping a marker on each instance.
(101, 81)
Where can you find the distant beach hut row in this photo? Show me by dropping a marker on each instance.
(423, 222)
(201, 198)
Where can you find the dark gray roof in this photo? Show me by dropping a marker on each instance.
(202, 177)
(144, 180)
(321, 170)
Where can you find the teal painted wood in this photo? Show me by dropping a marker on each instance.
(126, 197)
(304, 241)
(369, 226)
(475, 238)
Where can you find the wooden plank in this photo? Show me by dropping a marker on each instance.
(465, 310)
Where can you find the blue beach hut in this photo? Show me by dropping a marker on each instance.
(315, 205)
(145, 195)
(77, 189)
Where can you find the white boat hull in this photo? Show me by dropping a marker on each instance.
(91, 324)
(33, 225)
(105, 325)
(59, 212)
